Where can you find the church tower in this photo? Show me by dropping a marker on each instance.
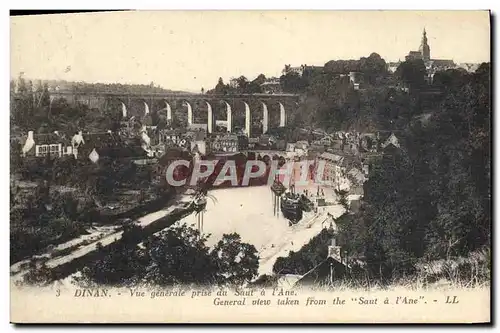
(424, 48)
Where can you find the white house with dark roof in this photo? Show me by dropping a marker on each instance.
(225, 143)
(40, 145)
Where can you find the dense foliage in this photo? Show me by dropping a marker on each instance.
(45, 217)
(428, 200)
(177, 255)
(241, 86)
(54, 199)
(329, 100)
(431, 199)
(32, 107)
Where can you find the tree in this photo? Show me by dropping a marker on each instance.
(22, 104)
(120, 265)
(287, 69)
(462, 160)
(237, 262)
(372, 68)
(177, 255)
(260, 79)
(412, 73)
(451, 78)
(342, 198)
(431, 198)
(292, 82)
(242, 84)
(221, 88)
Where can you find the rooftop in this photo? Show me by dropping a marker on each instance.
(331, 157)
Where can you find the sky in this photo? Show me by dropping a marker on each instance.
(188, 50)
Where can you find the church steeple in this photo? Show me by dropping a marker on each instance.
(424, 48)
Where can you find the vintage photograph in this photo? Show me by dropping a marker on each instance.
(250, 161)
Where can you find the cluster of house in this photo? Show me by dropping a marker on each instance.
(142, 143)
(343, 172)
(355, 143)
(355, 78)
(342, 152)
(80, 145)
(346, 157)
(150, 141)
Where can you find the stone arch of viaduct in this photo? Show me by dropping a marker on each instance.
(188, 100)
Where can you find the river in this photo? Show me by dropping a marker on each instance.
(248, 211)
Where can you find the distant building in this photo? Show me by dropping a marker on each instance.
(253, 143)
(355, 79)
(440, 65)
(174, 136)
(297, 70)
(40, 145)
(332, 168)
(265, 141)
(414, 55)
(81, 145)
(357, 178)
(106, 144)
(225, 143)
(469, 67)
(271, 86)
(393, 66)
(196, 135)
(424, 53)
(326, 141)
(303, 70)
(302, 144)
(198, 127)
(337, 145)
(308, 70)
(342, 172)
(326, 272)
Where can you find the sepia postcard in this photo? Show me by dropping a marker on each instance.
(250, 167)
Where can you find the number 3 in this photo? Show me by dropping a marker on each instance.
(58, 292)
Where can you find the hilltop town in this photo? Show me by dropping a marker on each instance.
(405, 148)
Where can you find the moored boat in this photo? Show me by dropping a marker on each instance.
(291, 207)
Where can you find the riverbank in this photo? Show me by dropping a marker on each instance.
(249, 212)
(66, 258)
